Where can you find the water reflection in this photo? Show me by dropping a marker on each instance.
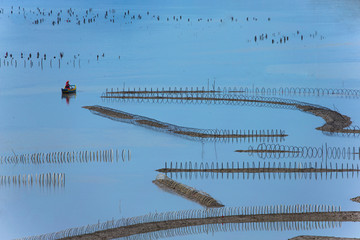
(68, 96)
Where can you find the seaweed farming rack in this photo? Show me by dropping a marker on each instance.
(260, 170)
(42, 180)
(280, 91)
(190, 133)
(324, 152)
(107, 156)
(266, 218)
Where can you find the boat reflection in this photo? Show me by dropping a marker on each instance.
(68, 96)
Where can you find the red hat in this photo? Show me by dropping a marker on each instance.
(67, 81)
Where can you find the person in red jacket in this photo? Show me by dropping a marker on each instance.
(67, 85)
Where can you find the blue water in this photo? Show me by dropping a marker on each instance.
(35, 118)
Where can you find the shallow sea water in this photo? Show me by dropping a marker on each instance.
(155, 54)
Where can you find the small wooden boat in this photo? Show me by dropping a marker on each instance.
(72, 89)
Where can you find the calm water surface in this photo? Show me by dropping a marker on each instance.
(36, 119)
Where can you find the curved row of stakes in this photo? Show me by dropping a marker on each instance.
(221, 216)
(186, 132)
(335, 121)
(240, 227)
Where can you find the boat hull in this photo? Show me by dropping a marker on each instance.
(68, 90)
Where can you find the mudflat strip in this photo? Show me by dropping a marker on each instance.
(171, 224)
(335, 121)
(321, 238)
(179, 130)
(190, 193)
(109, 113)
